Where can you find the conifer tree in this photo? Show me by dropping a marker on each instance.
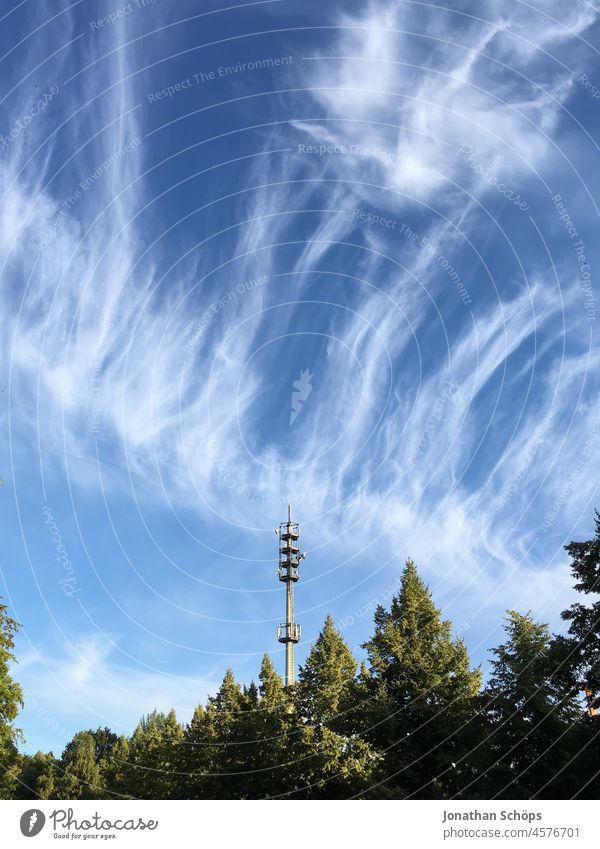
(225, 710)
(11, 700)
(271, 690)
(584, 629)
(327, 679)
(217, 743)
(422, 690)
(79, 771)
(332, 759)
(197, 756)
(577, 659)
(532, 716)
(270, 731)
(154, 756)
(231, 746)
(115, 770)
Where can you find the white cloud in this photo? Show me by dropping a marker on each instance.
(92, 677)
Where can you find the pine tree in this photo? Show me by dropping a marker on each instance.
(422, 690)
(332, 759)
(11, 700)
(531, 714)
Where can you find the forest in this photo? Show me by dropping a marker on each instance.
(413, 720)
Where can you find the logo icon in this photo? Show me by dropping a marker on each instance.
(32, 822)
(303, 389)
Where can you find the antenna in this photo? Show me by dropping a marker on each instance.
(289, 572)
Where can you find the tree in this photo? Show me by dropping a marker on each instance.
(584, 630)
(79, 771)
(331, 758)
(578, 661)
(237, 747)
(422, 693)
(270, 736)
(531, 715)
(112, 755)
(104, 742)
(226, 721)
(219, 747)
(11, 700)
(37, 777)
(196, 756)
(326, 681)
(154, 757)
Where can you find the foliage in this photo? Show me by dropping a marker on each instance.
(421, 693)
(37, 777)
(153, 757)
(411, 721)
(584, 628)
(79, 770)
(333, 760)
(11, 700)
(531, 715)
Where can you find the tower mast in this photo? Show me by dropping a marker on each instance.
(289, 572)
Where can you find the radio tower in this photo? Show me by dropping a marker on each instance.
(289, 572)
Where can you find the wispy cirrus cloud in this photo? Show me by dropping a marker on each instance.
(152, 349)
(89, 677)
(109, 331)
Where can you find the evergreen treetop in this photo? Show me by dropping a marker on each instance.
(584, 629)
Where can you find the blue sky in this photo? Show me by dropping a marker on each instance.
(387, 208)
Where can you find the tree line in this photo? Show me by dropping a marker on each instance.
(413, 720)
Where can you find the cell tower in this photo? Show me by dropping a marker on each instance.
(289, 572)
